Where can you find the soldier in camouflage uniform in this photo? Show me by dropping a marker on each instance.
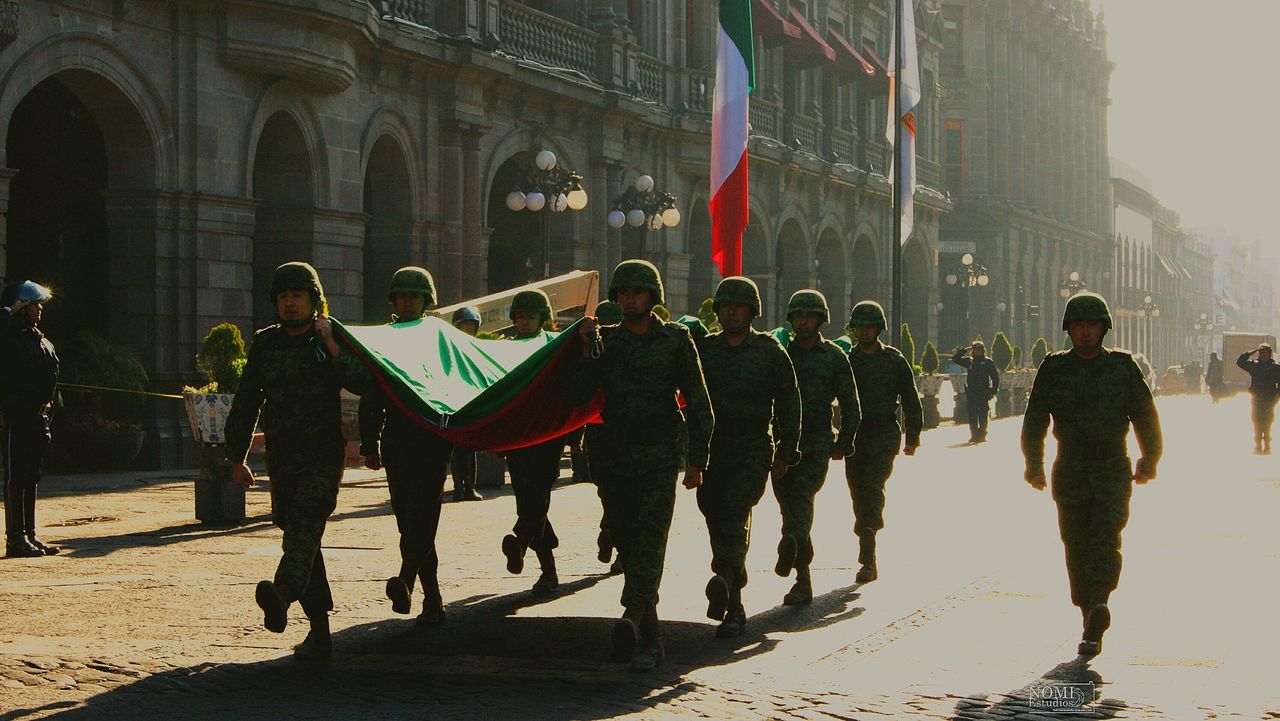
(1093, 394)
(824, 375)
(534, 469)
(884, 381)
(753, 389)
(645, 362)
(1264, 387)
(593, 441)
(416, 461)
(296, 369)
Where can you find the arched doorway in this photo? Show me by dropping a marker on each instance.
(866, 273)
(794, 268)
(514, 247)
(915, 294)
(703, 274)
(833, 279)
(285, 225)
(389, 235)
(755, 261)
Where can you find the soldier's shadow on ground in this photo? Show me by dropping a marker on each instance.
(1071, 690)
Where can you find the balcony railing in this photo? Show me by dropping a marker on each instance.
(806, 132)
(765, 119)
(699, 91)
(929, 174)
(415, 11)
(545, 39)
(844, 145)
(652, 78)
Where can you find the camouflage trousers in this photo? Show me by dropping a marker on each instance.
(304, 492)
(731, 487)
(415, 479)
(1093, 508)
(795, 493)
(534, 471)
(1264, 415)
(867, 472)
(637, 510)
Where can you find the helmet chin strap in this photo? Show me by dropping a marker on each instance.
(299, 322)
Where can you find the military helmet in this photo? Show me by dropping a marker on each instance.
(1086, 306)
(412, 279)
(27, 291)
(299, 276)
(868, 312)
(809, 301)
(466, 312)
(609, 313)
(977, 344)
(637, 274)
(737, 289)
(1263, 346)
(531, 301)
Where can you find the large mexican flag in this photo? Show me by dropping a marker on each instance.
(735, 78)
(492, 395)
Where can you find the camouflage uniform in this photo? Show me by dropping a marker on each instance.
(1264, 387)
(295, 384)
(416, 461)
(639, 376)
(607, 313)
(824, 376)
(1092, 403)
(884, 381)
(753, 389)
(534, 471)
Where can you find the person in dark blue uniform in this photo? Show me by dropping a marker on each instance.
(981, 385)
(28, 382)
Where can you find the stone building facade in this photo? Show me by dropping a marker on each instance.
(1025, 93)
(159, 159)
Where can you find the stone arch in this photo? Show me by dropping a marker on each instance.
(285, 98)
(865, 273)
(283, 184)
(794, 266)
(916, 291)
(833, 273)
(757, 257)
(524, 143)
(390, 124)
(703, 273)
(390, 240)
(514, 245)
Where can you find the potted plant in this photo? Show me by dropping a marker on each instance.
(99, 430)
(221, 358)
(931, 384)
(1002, 356)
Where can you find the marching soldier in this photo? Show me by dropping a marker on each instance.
(753, 389)
(416, 460)
(535, 469)
(644, 363)
(27, 389)
(296, 369)
(884, 381)
(1093, 394)
(824, 375)
(463, 463)
(981, 384)
(593, 440)
(1264, 386)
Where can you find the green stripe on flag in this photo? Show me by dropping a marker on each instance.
(735, 20)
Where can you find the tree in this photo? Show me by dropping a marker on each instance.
(222, 358)
(929, 359)
(907, 345)
(708, 316)
(1001, 351)
(1038, 351)
(1017, 357)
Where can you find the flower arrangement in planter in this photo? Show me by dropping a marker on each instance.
(98, 430)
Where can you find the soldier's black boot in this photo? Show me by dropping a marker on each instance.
(787, 548)
(432, 610)
(16, 543)
(468, 492)
(1096, 622)
(604, 546)
(617, 566)
(398, 592)
(650, 652)
(717, 597)
(735, 620)
(318, 645)
(29, 523)
(867, 557)
(275, 612)
(514, 550)
(626, 632)
(548, 581)
(802, 592)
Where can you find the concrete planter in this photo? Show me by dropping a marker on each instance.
(960, 411)
(218, 499)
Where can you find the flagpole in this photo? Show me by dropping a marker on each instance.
(898, 63)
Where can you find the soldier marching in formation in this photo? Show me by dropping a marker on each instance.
(416, 460)
(594, 444)
(825, 376)
(644, 363)
(1264, 387)
(885, 383)
(753, 389)
(293, 376)
(1093, 394)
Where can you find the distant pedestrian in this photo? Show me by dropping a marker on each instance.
(1264, 386)
(28, 386)
(1093, 394)
(981, 385)
(1213, 377)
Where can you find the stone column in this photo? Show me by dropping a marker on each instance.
(475, 237)
(6, 177)
(453, 189)
(338, 255)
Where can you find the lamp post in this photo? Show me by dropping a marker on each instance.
(547, 188)
(1149, 311)
(971, 274)
(644, 206)
(1204, 327)
(1071, 285)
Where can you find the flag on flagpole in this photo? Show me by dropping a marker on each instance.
(735, 78)
(902, 115)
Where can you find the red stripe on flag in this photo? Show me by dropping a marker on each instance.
(729, 220)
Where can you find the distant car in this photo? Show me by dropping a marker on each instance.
(1175, 380)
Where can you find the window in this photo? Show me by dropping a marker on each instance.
(955, 156)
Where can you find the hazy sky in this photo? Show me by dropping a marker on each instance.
(1193, 96)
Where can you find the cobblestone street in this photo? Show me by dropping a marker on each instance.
(148, 614)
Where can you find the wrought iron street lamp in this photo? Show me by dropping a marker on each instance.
(644, 206)
(970, 274)
(1072, 285)
(547, 188)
